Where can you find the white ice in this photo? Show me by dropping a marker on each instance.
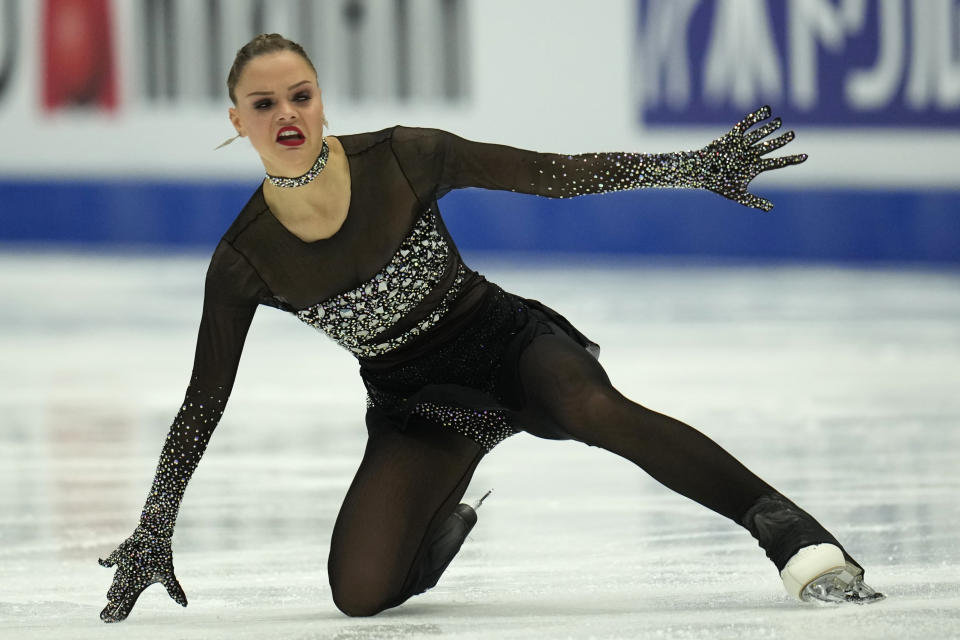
(837, 385)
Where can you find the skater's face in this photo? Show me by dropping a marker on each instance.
(279, 109)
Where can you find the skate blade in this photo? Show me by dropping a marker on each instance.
(838, 587)
(476, 505)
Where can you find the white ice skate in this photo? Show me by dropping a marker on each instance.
(821, 573)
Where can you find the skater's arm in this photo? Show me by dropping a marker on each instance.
(220, 342)
(146, 557)
(725, 166)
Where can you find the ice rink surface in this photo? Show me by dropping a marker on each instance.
(837, 385)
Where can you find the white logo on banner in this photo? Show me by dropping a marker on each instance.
(745, 61)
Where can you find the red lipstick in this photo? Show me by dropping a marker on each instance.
(291, 137)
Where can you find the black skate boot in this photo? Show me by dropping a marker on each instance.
(814, 567)
(445, 545)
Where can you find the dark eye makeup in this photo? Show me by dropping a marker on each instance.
(262, 105)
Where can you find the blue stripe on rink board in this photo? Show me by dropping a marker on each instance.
(807, 224)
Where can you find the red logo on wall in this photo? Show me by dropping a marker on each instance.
(79, 67)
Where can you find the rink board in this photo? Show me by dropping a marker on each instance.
(838, 224)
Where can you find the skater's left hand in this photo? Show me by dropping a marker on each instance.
(141, 560)
(731, 161)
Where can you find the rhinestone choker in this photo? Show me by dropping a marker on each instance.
(308, 177)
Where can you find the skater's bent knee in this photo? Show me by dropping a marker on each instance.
(359, 610)
(360, 599)
(597, 402)
(359, 605)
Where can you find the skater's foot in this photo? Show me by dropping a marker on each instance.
(821, 573)
(813, 565)
(445, 545)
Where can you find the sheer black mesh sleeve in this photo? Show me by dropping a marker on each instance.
(231, 296)
(437, 161)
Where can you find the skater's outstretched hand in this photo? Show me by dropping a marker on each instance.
(731, 161)
(141, 560)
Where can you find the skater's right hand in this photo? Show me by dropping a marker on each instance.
(141, 560)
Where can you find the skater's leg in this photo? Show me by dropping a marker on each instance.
(397, 529)
(569, 392)
(566, 387)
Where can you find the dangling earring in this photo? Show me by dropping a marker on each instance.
(226, 142)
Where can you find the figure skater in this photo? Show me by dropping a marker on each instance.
(345, 233)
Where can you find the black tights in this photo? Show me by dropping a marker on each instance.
(409, 483)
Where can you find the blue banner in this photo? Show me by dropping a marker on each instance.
(825, 62)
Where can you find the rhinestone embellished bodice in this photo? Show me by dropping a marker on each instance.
(356, 317)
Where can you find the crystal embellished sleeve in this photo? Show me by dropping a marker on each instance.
(230, 300)
(451, 162)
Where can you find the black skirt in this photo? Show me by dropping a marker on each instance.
(465, 377)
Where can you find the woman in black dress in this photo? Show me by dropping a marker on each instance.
(354, 245)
